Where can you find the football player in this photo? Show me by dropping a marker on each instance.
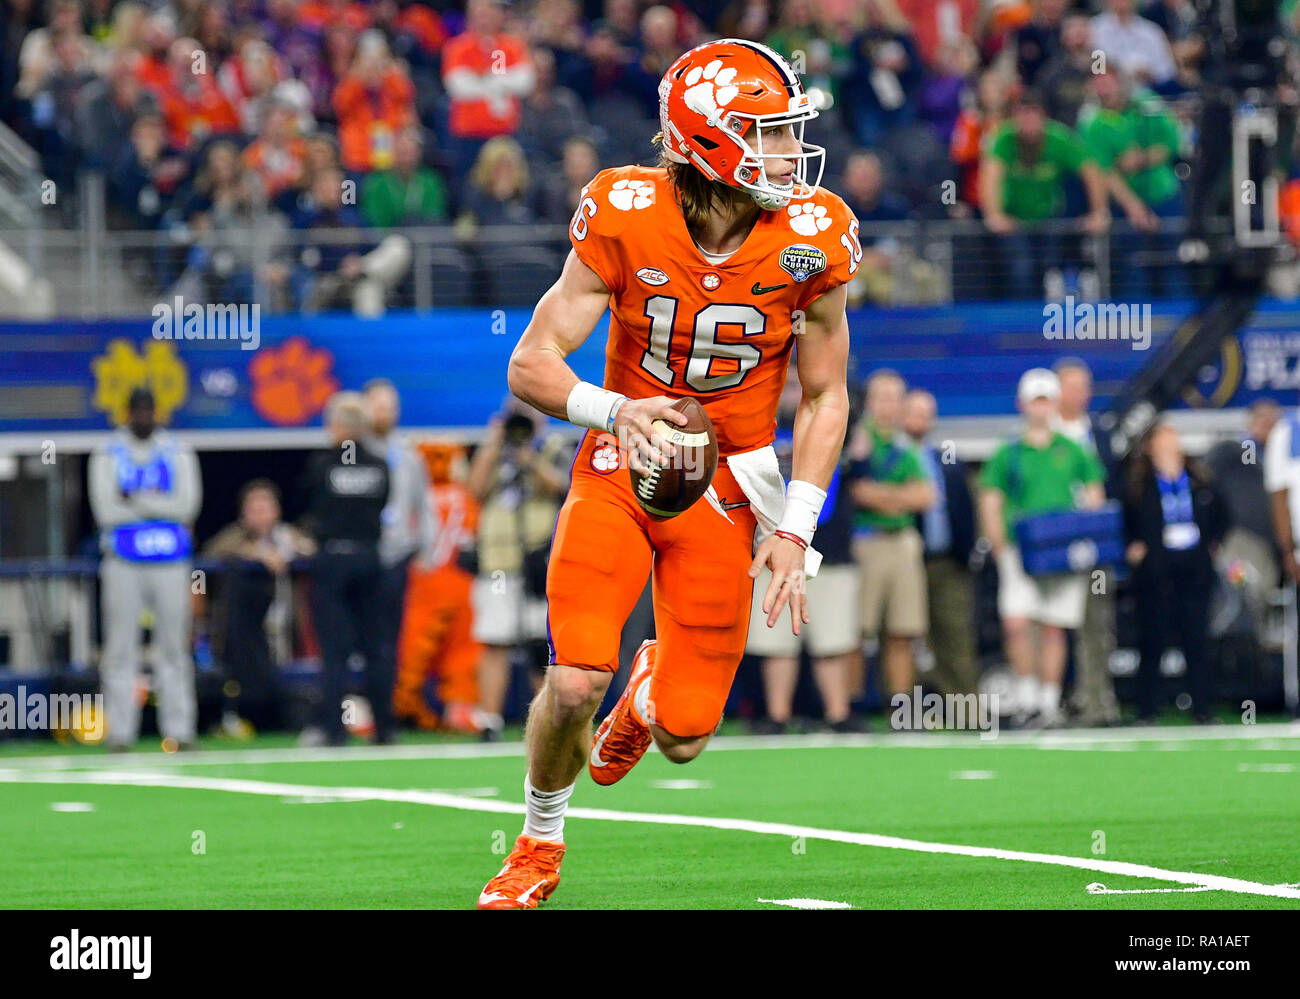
(712, 265)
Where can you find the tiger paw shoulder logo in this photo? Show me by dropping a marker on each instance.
(604, 458)
(292, 382)
(628, 195)
(122, 368)
(711, 281)
(808, 219)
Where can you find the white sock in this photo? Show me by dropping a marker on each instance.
(1049, 695)
(1025, 693)
(544, 815)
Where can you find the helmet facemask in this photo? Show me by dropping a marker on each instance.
(750, 174)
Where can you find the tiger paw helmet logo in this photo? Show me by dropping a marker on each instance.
(292, 382)
(121, 368)
(808, 220)
(626, 195)
(710, 89)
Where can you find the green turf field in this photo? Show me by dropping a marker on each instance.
(870, 822)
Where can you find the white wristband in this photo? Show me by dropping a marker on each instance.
(803, 505)
(592, 406)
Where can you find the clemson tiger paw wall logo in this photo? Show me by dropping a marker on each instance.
(292, 382)
(122, 368)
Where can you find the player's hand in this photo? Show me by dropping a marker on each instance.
(632, 424)
(785, 559)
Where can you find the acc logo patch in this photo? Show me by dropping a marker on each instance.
(710, 281)
(802, 261)
(652, 275)
(604, 459)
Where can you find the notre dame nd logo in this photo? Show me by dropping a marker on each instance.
(121, 368)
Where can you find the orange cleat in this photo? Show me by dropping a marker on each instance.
(623, 738)
(528, 876)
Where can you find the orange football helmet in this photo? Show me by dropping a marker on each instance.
(715, 103)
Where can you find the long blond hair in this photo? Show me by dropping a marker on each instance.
(698, 195)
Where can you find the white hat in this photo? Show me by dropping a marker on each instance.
(1038, 383)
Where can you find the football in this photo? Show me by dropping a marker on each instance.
(666, 492)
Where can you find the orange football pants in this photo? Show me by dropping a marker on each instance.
(606, 545)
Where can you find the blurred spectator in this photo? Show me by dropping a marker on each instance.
(880, 90)
(276, 157)
(437, 636)
(832, 635)
(1138, 141)
(154, 69)
(227, 205)
(1065, 80)
(944, 90)
(802, 27)
(407, 535)
(933, 24)
(1134, 45)
(255, 597)
(889, 486)
(948, 531)
(212, 31)
(299, 46)
(249, 79)
(1176, 18)
(109, 108)
(1033, 45)
(499, 192)
(373, 104)
(1238, 468)
(984, 117)
(1022, 183)
(563, 190)
(551, 114)
(192, 104)
(486, 74)
(660, 47)
(67, 78)
(37, 58)
(346, 486)
(1174, 520)
(1040, 471)
(145, 171)
(519, 476)
(863, 188)
(145, 492)
(407, 194)
(340, 266)
(1093, 698)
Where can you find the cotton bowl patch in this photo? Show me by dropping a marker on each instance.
(802, 261)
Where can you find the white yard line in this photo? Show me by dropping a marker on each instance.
(443, 800)
(1283, 736)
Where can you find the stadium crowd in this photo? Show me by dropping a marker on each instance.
(320, 122)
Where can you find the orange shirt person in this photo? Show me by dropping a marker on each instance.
(373, 103)
(712, 265)
(486, 74)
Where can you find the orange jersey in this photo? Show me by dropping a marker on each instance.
(680, 325)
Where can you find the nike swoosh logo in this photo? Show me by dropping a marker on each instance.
(529, 893)
(596, 761)
(756, 290)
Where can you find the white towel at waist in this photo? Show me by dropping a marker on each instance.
(759, 476)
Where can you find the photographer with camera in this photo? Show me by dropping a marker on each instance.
(520, 476)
